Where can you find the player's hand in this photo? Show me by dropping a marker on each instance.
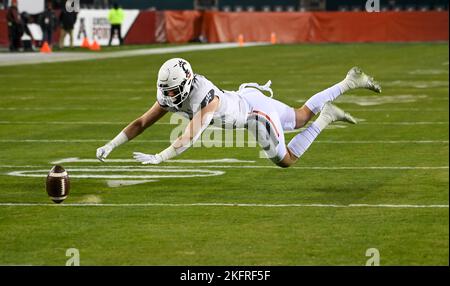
(147, 158)
(103, 152)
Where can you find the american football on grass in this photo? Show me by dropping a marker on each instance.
(58, 184)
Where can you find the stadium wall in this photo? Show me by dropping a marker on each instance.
(183, 26)
(143, 29)
(290, 27)
(3, 29)
(313, 27)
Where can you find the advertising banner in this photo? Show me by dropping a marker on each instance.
(31, 6)
(94, 24)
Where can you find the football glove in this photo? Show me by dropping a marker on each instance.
(103, 152)
(147, 158)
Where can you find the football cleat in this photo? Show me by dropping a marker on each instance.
(333, 113)
(356, 78)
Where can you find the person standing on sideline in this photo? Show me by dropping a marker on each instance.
(15, 30)
(47, 21)
(115, 18)
(67, 21)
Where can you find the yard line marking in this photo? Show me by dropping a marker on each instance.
(151, 168)
(65, 123)
(373, 100)
(191, 161)
(168, 123)
(339, 168)
(63, 109)
(428, 71)
(225, 141)
(193, 173)
(137, 109)
(383, 142)
(221, 205)
(405, 123)
(396, 109)
(120, 183)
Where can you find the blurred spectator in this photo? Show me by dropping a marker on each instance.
(115, 18)
(67, 21)
(15, 28)
(47, 22)
(82, 29)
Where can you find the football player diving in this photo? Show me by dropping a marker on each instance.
(197, 98)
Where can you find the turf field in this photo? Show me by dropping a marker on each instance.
(381, 184)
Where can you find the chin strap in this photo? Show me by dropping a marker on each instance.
(265, 87)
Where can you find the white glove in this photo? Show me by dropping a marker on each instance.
(103, 152)
(147, 158)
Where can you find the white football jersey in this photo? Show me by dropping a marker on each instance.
(232, 110)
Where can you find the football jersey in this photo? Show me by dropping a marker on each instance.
(231, 112)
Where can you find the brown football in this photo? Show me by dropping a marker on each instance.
(58, 184)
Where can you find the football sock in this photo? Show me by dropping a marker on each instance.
(301, 142)
(345, 85)
(316, 102)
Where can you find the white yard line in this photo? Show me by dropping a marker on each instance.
(405, 123)
(407, 206)
(168, 123)
(339, 168)
(328, 168)
(155, 173)
(221, 141)
(386, 110)
(9, 59)
(383, 142)
(67, 123)
(120, 168)
(188, 161)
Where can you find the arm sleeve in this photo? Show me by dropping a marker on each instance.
(205, 123)
(171, 151)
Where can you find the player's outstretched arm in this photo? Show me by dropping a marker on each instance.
(132, 130)
(194, 129)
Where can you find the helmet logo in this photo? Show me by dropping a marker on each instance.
(182, 65)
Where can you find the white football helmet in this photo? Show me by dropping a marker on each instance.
(175, 80)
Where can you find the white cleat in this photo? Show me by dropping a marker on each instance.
(333, 113)
(356, 78)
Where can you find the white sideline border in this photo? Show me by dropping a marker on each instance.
(397, 206)
(9, 59)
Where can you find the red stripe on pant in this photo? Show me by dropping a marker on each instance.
(268, 118)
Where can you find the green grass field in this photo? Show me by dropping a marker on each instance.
(398, 155)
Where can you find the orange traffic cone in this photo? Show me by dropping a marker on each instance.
(95, 46)
(85, 43)
(241, 40)
(46, 48)
(273, 38)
